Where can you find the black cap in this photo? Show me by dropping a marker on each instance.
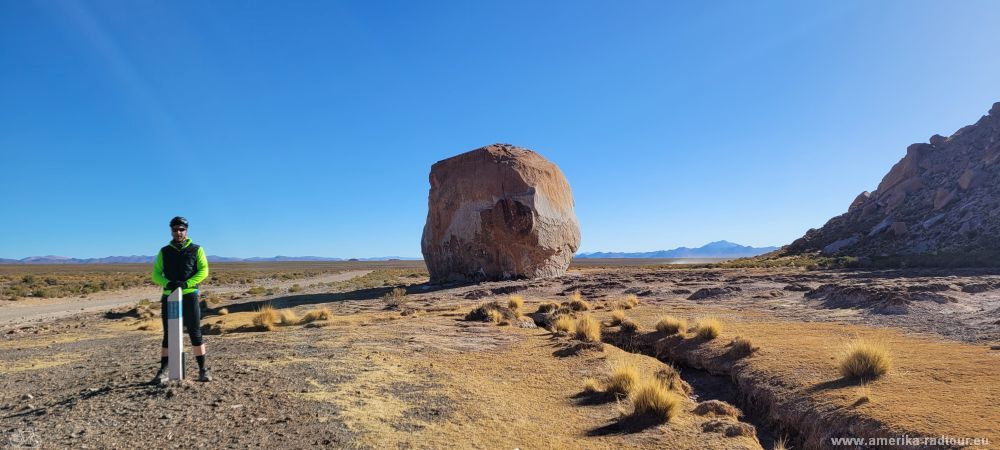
(178, 221)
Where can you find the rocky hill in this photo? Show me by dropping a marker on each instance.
(939, 205)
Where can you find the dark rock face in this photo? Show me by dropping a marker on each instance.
(498, 212)
(941, 200)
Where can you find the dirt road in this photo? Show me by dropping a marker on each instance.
(41, 310)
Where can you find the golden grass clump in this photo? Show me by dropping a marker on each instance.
(588, 329)
(718, 408)
(265, 318)
(652, 398)
(632, 300)
(515, 302)
(288, 317)
(629, 326)
(223, 311)
(591, 386)
(494, 316)
(708, 328)
(580, 305)
(865, 359)
(564, 324)
(547, 307)
(617, 316)
(316, 314)
(671, 325)
(623, 377)
(743, 347)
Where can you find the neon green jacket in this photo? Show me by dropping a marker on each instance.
(192, 283)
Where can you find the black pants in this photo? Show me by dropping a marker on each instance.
(192, 317)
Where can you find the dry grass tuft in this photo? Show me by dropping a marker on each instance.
(591, 386)
(718, 408)
(395, 298)
(492, 312)
(743, 347)
(223, 311)
(288, 317)
(588, 329)
(651, 398)
(864, 359)
(671, 325)
(708, 328)
(547, 307)
(266, 318)
(564, 324)
(580, 305)
(316, 314)
(623, 377)
(617, 316)
(632, 300)
(628, 326)
(781, 443)
(515, 302)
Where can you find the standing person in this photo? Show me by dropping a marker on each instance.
(182, 264)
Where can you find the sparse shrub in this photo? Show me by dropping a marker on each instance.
(865, 359)
(743, 347)
(564, 324)
(288, 317)
(781, 443)
(652, 399)
(316, 314)
(491, 312)
(515, 302)
(671, 325)
(266, 318)
(144, 303)
(708, 328)
(617, 316)
(632, 300)
(629, 326)
(591, 386)
(547, 307)
(623, 378)
(395, 298)
(579, 305)
(257, 290)
(295, 288)
(588, 329)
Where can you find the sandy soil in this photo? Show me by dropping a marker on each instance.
(419, 376)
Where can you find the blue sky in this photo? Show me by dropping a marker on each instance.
(309, 128)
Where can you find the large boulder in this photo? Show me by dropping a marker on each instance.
(498, 212)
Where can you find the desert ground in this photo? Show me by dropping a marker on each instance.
(369, 355)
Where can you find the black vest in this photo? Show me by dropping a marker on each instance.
(179, 265)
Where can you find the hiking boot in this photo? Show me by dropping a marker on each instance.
(160, 378)
(205, 375)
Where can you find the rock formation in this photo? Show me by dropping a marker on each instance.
(498, 212)
(940, 203)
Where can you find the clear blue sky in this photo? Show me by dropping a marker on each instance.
(309, 128)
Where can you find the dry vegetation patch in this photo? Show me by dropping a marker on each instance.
(588, 329)
(671, 325)
(865, 359)
(708, 328)
(650, 398)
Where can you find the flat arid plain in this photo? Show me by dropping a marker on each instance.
(612, 354)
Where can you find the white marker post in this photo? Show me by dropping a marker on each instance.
(175, 335)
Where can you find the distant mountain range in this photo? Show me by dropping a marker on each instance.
(717, 249)
(143, 259)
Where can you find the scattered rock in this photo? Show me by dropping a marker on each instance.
(710, 292)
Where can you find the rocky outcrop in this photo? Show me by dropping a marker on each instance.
(498, 212)
(941, 201)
